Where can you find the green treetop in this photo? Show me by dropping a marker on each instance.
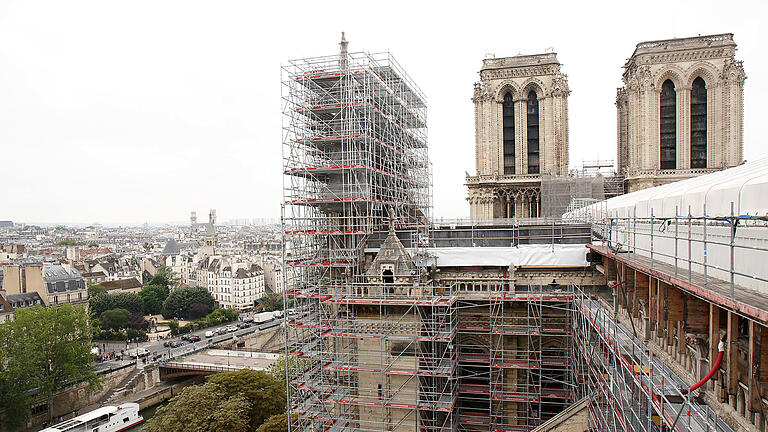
(45, 349)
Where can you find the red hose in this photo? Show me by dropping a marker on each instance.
(715, 367)
(617, 284)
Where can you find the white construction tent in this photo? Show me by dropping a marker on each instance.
(715, 221)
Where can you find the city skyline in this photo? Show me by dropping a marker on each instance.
(120, 121)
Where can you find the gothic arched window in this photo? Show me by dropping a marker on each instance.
(668, 126)
(508, 123)
(699, 124)
(533, 133)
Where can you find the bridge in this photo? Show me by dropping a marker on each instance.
(214, 361)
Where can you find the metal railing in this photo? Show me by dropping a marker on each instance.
(729, 248)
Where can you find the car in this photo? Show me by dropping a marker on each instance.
(186, 337)
(167, 343)
(231, 328)
(243, 325)
(176, 344)
(194, 338)
(221, 330)
(209, 334)
(138, 352)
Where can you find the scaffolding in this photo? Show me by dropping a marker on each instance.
(560, 194)
(376, 356)
(627, 386)
(596, 181)
(514, 357)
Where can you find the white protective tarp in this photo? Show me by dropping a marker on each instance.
(523, 255)
(745, 185)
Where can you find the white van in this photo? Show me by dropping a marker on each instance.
(209, 334)
(140, 352)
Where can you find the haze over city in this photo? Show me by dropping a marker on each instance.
(126, 113)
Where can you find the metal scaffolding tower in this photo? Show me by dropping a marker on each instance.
(377, 355)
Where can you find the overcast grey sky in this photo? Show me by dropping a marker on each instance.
(141, 111)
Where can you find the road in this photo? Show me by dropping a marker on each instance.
(159, 352)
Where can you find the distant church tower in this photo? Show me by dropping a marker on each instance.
(211, 241)
(521, 132)
(680, 112)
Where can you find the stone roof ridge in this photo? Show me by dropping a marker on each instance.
(693, 42)
(520, 60)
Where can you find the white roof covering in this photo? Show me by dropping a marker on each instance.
(523, 255)
(745, 185)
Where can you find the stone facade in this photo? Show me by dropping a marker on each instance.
(521, 132)
(690, 127)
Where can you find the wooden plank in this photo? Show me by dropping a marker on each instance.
(763, 377)
(696, 315)
(675, 312)
(641, 290)
(631, 292)
(659, 307)
(753, 364)
(610, 269)
(651, 307)
(732, 353)
(714, 338)
(676, 302)
(681, 344)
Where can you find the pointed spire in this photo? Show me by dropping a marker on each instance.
(343, 44)
(343, 52)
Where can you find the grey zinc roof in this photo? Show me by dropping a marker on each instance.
(171, 248)
(57, 272)
(23, 299)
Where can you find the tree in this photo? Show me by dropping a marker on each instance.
(205, 408)
(123, 300)
(295, 365)
(276, 423)
(138, 322)
(164, 277)
(99, 303)
(14, 400)
(271, 302)
(153, 297)
(198, 311)
(115, 319)
(94, 289)
(265, 393)
(223, 315)
(69, 243)
(179, 302)
(130, 301)
(45, 349)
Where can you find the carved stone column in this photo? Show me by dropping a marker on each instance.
(683, 127)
